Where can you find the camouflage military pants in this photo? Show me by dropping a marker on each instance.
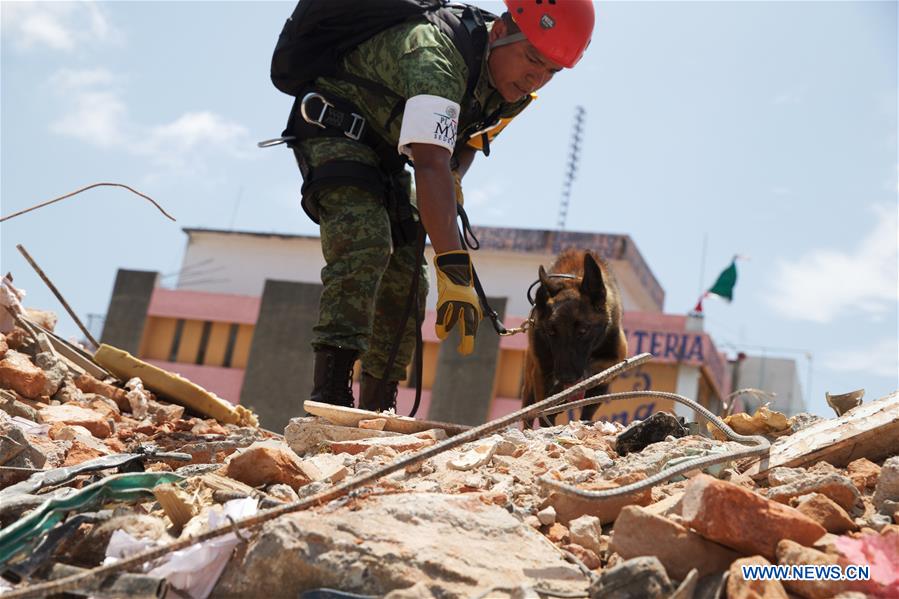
(366, 280)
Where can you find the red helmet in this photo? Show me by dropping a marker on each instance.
(559, 29)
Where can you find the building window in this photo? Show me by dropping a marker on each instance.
(204, 342)
(176, 340)
(232, 341)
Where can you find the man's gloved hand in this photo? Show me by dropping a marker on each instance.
(457, 300)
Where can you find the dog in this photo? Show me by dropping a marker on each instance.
(576, 327)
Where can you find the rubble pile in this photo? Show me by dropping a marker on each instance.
(93, 471)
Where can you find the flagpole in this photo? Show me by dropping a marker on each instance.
(705, 243)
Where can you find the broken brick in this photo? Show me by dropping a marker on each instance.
(81, 452)
(863, 473)
(738, 518)
(825, 512)
(569, 507)
(587, 556)
(89, 384)
(19, 374)
(835, 486)
(264, 463)
(558, 533)
(638, 532)
(69, 414)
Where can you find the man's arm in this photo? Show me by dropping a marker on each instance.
(464, 158)
(435, 192)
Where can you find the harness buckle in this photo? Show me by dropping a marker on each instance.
(356, 127)
(321, 116)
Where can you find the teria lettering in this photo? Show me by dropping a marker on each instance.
(672, 346)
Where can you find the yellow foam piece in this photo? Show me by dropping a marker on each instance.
(173, 386)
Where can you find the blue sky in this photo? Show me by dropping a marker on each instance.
(769, 128)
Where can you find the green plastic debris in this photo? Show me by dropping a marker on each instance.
(121, 487)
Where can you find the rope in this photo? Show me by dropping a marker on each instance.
(760, 445)
(75, 581)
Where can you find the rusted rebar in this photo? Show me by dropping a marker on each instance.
(58, 295)
(77, 191)
(528, 413)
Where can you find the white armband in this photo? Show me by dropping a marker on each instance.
(429, 120)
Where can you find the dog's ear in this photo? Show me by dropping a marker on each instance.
(592, 284)
(545, 290)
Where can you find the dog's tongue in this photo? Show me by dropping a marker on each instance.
(576, 397)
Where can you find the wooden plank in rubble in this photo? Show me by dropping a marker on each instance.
(868, 431)
(396, 424)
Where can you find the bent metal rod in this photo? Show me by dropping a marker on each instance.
(759, 445)
(529, 413)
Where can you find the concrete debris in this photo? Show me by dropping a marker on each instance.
(387, 542)
(399, 444)
(466, 522)
(138, 398)
(639, 578)
(836, 487)
(887, 489)
(478, 456)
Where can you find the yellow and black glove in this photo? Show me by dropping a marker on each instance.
(457, 180)
(457, 300)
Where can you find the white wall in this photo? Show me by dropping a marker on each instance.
(776, 375)
(240, 263)
(233, 263)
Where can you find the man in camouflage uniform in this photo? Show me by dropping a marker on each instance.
(415, 105)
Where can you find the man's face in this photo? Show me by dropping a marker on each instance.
(518, 69)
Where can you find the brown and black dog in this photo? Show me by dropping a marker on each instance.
(576, 330)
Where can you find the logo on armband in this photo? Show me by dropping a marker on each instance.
(445, 129)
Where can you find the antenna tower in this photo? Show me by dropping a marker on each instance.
(571, 168)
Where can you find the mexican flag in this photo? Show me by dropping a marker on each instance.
(723, 286)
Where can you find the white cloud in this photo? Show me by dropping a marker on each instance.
(96, 117)
(97, 113)
(78, 79)
(194, 131)
(882, 359)
(824, 283)
(60, 26)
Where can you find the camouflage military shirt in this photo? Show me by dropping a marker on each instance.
(410, 60)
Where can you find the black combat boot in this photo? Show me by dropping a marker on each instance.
(332, 380)
(370, 398)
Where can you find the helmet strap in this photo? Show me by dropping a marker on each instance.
(513, 38)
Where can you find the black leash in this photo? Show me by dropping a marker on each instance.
(411, 304)
(470, 242)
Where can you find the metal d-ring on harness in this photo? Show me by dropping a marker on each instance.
(760, 445)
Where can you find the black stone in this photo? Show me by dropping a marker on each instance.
(646, 432)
